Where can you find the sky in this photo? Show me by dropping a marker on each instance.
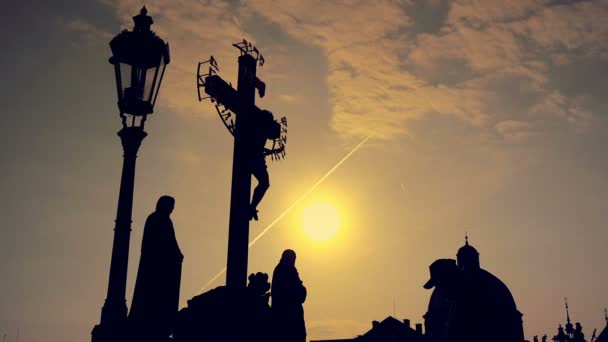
(485, 117)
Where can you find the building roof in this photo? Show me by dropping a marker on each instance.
(481, 286)
(390, 329)
(603, 336)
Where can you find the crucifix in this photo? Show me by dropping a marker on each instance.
(256, 135)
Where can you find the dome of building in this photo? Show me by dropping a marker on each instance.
(480, 305)
(483, 287)
(467, 256)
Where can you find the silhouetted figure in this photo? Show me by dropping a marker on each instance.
(259, 170)
(288, 294)
(444, 274)
(578, 335)
(258, 307)
(535, 338)
(156, 295)
(561, 335)
(571, 332)
(258, 287)
(269, 129)
(544, 338)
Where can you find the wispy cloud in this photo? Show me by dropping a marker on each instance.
(362, 41)
(381, 75)
(288, 98)
(87, 31)
(570, 109)
(514, 130)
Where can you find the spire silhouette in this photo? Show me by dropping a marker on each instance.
(569, 325)
(567, 310)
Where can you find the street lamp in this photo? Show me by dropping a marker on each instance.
(139, 58)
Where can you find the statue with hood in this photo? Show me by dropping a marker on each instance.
(288, 294)
(156, 296)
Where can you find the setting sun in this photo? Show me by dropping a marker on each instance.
(321, 221)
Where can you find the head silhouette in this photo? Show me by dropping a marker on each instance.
(288, 257)
(443, 271)
(165, 205)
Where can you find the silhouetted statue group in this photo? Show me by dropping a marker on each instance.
(572, 333)
(222, 314)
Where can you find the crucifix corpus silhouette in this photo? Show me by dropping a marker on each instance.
(256, 135)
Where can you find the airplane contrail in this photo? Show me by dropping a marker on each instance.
(293, 205)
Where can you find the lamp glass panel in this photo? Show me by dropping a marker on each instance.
(149, 83)
(125, 75)
(159, 78)
(140, 81)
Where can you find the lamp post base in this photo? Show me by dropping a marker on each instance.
(110, 331)
(104, 333)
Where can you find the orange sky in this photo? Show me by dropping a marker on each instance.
(484, 116)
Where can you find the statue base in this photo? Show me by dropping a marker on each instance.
(224, 314)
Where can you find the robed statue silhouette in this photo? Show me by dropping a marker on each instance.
(156, 296)
(288, 294)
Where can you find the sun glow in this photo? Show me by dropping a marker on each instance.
(320, 221)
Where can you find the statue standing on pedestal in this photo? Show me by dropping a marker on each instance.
(156, 296)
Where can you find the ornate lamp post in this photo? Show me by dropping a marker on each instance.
(139, 58)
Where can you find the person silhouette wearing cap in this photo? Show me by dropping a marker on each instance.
(444, 273)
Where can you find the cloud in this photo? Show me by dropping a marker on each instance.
(288, 98)
(491, 48)
(381, 75)
(478, 13)
(87, 31)
(526, 40)
(573, 110)
(577, 28)
(514, 130)
(362, 41)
